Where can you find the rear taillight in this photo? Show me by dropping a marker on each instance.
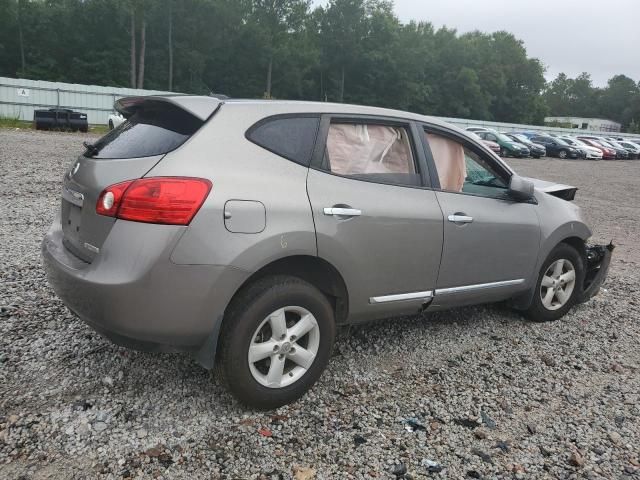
(165, 200)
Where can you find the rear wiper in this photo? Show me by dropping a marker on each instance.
(91, 148)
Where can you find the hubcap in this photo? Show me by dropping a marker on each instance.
(284, 347)
(557, 284)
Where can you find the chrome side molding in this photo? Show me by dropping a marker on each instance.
(401, 297)
(479, 286)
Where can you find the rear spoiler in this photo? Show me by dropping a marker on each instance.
(199, 106)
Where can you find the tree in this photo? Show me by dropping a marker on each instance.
(348, 50)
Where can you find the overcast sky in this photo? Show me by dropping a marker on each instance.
(571, 36)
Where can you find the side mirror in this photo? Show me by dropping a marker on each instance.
(520, 188)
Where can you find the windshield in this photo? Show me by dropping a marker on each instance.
(503, 138)
(605, 143)
(560, 141)
(521, 138)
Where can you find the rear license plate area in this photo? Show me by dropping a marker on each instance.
(71, 219)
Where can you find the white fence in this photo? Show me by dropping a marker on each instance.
(20, 97)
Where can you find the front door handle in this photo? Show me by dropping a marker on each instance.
(460, 218)
(342, 212)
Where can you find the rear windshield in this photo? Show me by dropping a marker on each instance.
(155, 128)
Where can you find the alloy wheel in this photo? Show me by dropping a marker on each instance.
(562, 154)
(557, 284)
(283, 347)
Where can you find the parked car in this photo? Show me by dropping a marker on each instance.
(478, 129)
(556, 147)
(492, 145)
(607, 153)
(631, 153)
(309, 216)
(588, 152)
(115, 119)
(508, 147)
(632, 148)
(535, 149)
(621, 153)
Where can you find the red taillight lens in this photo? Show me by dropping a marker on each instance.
(110, 198)
(165, 200)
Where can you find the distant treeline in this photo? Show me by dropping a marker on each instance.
(347, 51)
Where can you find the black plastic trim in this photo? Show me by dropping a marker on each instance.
(282, 116)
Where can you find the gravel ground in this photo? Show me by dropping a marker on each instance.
(471, 393)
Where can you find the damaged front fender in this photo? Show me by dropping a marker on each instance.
(596, 269)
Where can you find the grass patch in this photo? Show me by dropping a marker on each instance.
(99, 129)
(11, 122)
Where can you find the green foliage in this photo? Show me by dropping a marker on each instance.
(618, 101)
(13, 122)
(348, 50)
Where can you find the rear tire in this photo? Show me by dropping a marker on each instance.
(557, 288)
(263, 362)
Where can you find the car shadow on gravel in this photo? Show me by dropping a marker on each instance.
(96, 365)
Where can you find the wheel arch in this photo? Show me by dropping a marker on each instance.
(569, 234)
(314, 270)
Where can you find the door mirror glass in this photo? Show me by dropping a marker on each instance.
(520, 188)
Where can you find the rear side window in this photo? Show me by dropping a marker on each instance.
(155, 128)
(290, 137)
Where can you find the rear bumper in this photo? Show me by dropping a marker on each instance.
(133, 294)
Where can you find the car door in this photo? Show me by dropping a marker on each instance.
(376, 220)
(550, 145)
(491, 241)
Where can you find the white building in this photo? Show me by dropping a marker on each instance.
(599, 124)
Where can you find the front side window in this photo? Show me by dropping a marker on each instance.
(365, 151)
(463, 170)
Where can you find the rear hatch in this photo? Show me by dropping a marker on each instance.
(154, 126)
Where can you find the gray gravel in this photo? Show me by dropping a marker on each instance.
(471, 393)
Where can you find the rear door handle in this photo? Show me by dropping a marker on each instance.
(342, 212)
(460, 218)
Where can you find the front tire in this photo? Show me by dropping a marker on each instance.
(110, 125)
(276, 341)
(562, 154)
(559, 284)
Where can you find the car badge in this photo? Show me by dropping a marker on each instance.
(74, 169)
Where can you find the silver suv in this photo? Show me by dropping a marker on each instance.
(245, 232)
